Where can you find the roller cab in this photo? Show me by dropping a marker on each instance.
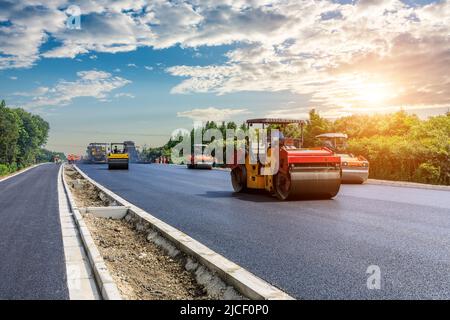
(118, 157)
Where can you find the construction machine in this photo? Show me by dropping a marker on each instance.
(118, 157)
(355, 169)
(96, 152)
(301, 172)
(132, 151)
(201, 160)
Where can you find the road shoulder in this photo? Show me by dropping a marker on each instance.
(80, 276)
(406, 184)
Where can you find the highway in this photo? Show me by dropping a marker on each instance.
(32, 262)
(316, 249)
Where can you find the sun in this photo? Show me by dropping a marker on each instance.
(362, 92)
(373, 94)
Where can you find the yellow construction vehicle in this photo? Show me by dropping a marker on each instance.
(118, 157)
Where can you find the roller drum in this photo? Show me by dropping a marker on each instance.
(118, 164)
(308, 184)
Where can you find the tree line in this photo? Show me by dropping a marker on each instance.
(22, 136)
(399, 146)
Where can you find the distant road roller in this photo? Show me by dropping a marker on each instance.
(200, 161)
(355, 169)
(302, 172)
(118, 157)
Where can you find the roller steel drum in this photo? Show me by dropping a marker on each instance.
(304, 184)
(119, 164)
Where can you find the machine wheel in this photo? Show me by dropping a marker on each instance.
(118, 166)
(239, 178)
(300, 187)
(282, 186)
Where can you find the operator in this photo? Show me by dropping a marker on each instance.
(115, 150)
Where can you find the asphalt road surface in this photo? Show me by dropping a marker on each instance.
(31, 249)
(316, 249)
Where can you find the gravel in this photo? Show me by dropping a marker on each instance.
(141, 270)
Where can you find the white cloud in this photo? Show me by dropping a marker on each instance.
(124, 95)
(368, 55)
(319, 48)
(148, 68)
(132, 65)
(212, 114)
(37, 92)
(93, 83)
(26, 30)
(13, 78)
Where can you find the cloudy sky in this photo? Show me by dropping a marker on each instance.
(139, 69)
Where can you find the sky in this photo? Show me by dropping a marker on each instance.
(109, 71)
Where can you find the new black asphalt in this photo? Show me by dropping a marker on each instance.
(315, 249)
(31, 249)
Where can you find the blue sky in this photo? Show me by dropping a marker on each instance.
(141, 69)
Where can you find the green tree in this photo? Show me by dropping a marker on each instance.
(33, 134)
(10, 128)
(22, 134)
(315, 125)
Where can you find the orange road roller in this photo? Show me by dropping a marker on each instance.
(299, 172)
(355, 169)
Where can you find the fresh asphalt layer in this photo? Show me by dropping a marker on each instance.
(314, 249)
(31, 249)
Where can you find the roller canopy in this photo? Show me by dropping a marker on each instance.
(274, 121)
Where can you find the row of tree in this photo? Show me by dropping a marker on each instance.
(22, 136)
(399, 146)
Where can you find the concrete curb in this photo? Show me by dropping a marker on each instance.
(105, 282)
(232, 274)
(408, 184)
(22, 171)
(80, 275)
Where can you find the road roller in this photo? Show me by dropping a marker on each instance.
(201, 160)
(118, 157)
(302, 172)
(355, 169)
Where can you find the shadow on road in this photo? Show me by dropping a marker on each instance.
(252, 196)
(255, 196)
